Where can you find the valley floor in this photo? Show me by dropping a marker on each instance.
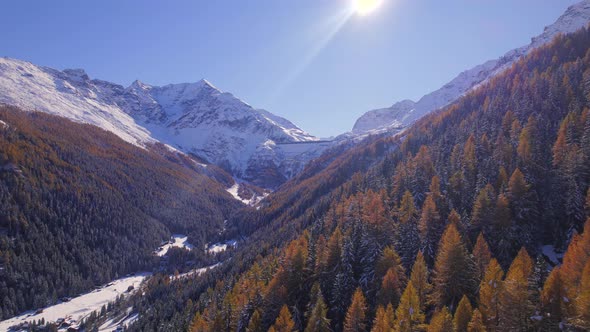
(80, 307)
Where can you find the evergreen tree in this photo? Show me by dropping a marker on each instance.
(483, 211)
(199, 324)
(390, 259)
(582, 303)
(431, 228)
(523, 205)
(504, 234)
(383, 319)
(574, 260)
(489, 295)
(481, 256)
(330, 261)
(476, 324)
(552, 299)
(284, 322)
(318, 320)
(408, 237)
(391, 287)
(516, 308)
(356, 316)
(462, 315)
(536, 282)
(255, 324)
(419, 278)
(408, 316)
(344, 285)
(442, 321)
(454, 270)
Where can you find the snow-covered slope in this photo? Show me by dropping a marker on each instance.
(201, 119)
(192, 117)
(69, 94)
(404, 113)
(384, 118)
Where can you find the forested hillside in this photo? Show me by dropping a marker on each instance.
(436, 229)
(79, 207)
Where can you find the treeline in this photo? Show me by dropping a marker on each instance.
(79, 207)
(505, 168)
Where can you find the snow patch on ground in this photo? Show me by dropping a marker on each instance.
(255, 199)
(123, 321)
(81, 306)
(195, 272)
(233, 190)
(220, 247)
(178, 240)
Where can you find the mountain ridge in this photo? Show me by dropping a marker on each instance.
(194, 118)
(574, 18)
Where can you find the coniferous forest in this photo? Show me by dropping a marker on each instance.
(455, 225)
(476, 217)
(80, 207)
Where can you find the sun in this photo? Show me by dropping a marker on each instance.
(365, 7)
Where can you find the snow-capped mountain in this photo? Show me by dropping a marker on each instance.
(384, 118)
(192, 117)
(69, 94)
(404, 113)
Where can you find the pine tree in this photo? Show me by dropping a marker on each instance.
(442, 321)
(318, 319)
(537, 281)
(476, 323)
(483, 211)
(255, 324)
(408, 237)
(502, 180)
(330, 261)
(481, 256)
(516, 308)
(454, 270)
(344, 285)
(489, 295)
(552, 300)
(408, 316)
(574, 260)
(504, 235)
(582, 303)
(523, 204)
(284, 322)
(470, 166)
(419, 278)
(391, 289)
(526, 142)
(199, 324)
(356, 316)
(431, 228)
(383, 319)
(462, 315)
(390, 259)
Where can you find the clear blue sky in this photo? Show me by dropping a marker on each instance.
(294, 58)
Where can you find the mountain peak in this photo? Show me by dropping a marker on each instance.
(137, 84)
(204, 82)
(76, 74)
(403, 114)
(574, 18)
